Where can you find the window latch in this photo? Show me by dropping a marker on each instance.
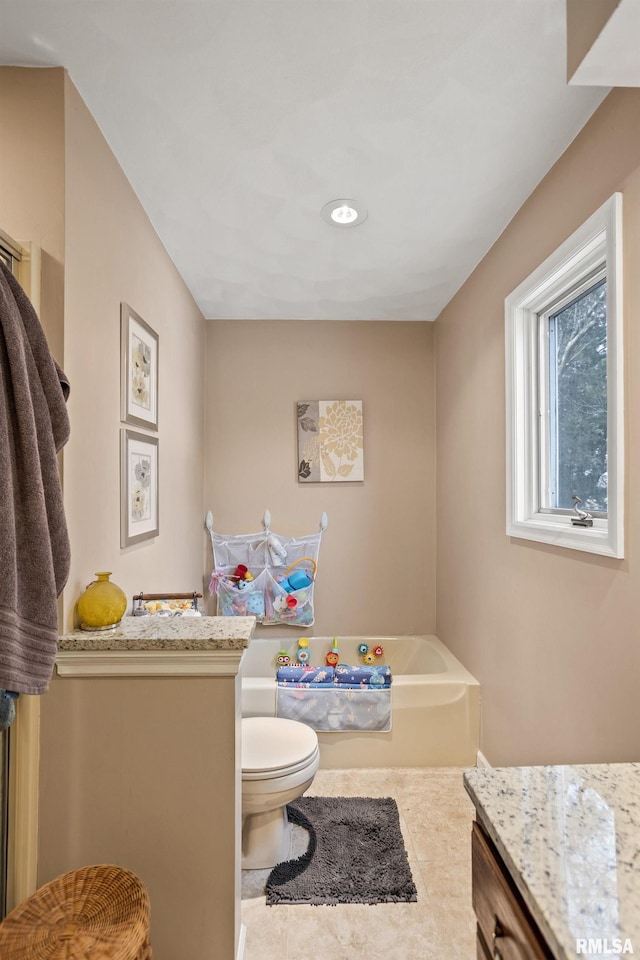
(580, 518)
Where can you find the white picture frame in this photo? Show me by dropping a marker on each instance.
(139, 347)
(139, 505)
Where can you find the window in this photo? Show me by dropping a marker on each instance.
(564, 393)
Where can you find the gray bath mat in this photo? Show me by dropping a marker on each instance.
(356, 854)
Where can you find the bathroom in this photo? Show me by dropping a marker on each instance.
(420, 546)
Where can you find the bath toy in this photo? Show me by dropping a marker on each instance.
(276, 551)
(241, 577)
(297, 579)
(378, 651)
(302, 655)
(283, 659)
(285, 608)
(279, 604)
(333, 657)
(369, 659)
(363, 648)
(255, 604)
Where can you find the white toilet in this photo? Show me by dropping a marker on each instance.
(279, 761)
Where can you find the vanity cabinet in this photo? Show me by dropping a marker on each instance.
(546, 844)
(505, 927)
(140, 765)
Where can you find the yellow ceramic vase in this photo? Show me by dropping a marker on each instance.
(102, 604)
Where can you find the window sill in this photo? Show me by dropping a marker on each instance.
(560, 532)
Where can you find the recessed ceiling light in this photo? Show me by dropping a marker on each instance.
(343, 213)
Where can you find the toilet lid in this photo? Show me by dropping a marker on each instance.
(272, 744)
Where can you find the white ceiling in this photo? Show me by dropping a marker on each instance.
(236, 120)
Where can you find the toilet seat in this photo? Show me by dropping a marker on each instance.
(274, 747)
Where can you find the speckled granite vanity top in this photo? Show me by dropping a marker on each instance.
(165, 633)
(570, 837)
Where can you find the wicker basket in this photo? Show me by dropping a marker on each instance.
(95, 913)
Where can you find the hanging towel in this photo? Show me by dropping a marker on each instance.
(34, 545)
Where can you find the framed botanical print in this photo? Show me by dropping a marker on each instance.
(138, 487)
(330, 441)
(138, 370)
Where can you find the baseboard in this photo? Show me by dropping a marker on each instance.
(242, 939)
(482, 762)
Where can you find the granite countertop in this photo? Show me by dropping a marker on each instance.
(570, 837)
(165, 633)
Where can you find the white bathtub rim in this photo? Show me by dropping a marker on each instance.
(455, 672)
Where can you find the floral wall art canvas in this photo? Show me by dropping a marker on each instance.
(139, 370)
(138, 488)
(330, 441)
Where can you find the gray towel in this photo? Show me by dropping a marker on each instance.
(34, 545)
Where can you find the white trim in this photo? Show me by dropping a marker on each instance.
(597, 240)
(481, 761)
(148, 663)
(242, 939)
(29, 273)
(24, 776)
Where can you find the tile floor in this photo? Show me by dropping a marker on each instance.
(435, 816)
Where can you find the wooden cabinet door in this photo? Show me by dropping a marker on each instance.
(506, 928)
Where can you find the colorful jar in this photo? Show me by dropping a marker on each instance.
(102, 605)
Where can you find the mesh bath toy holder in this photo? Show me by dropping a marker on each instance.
(265, 575)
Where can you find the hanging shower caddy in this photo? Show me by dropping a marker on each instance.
(265, 575)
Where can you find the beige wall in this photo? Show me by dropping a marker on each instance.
(376, 569)
(32, 179)
(113, 254)
(61, 187)
(585, 22)
(551, 634)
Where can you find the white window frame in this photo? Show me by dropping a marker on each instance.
(597, 241)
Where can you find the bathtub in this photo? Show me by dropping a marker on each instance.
(435, 702)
